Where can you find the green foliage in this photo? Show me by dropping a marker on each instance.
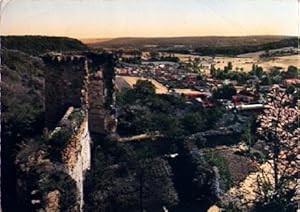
(127, 177)
(170, 58)
(205, 45)
(141, 90)
(194, 122)
(244, 48)
(77, 116)
(141, 110)
(215, 159)
(292, 72)
(229, 66)
(280, 202)
(59, 139)
(133, 60)
(22, 97)
(224, 92)
(154, 55)
(58, 142)
(64, 184)
(291, 89)
(144, 88)
(257, 71)
(37, 45)
(276, 76)
(247, 136)
(240, 76)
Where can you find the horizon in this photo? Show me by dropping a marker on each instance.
(146, 37)
(109, 19)
(192, 36)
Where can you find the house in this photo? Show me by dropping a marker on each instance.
(292, 81)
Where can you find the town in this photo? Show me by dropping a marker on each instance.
(197, 79)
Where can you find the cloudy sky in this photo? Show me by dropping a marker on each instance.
(119, 18)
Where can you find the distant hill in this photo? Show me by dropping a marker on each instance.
(192, 42)
(36, 45)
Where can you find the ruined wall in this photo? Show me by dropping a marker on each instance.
(76, 155)
(96, 102)
(82, 81)
(101, 94)
(102, 119)
(64, 85)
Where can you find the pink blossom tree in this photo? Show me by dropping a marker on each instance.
(279, 128)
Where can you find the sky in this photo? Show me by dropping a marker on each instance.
(149, 18)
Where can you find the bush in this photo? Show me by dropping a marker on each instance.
(65, 185)
(58, 142)
(215, 159)
(224, 92)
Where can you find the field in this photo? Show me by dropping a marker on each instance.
(246, 61)
(267, 63)
(284, 62)
(128, 81)
(160, 89)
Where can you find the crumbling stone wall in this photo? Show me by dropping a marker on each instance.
(82, 81)
(76, 155)
(78, 81)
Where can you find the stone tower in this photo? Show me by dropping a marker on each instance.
(82, 81)
(101, 94)
(66, 84)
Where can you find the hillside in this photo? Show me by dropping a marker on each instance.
(194, 42)
(22, 89)
(36, 45)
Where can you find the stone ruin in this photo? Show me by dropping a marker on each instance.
(81, 81)
(84, 85)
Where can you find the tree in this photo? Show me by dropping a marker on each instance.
(292, 72)
(154, 55)
(257, 70)
(279, 128)
(213, 71)
(193, 122)
(247, 136)
(274, 72)
(144, 88)
(224, 92)
(229, 66)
